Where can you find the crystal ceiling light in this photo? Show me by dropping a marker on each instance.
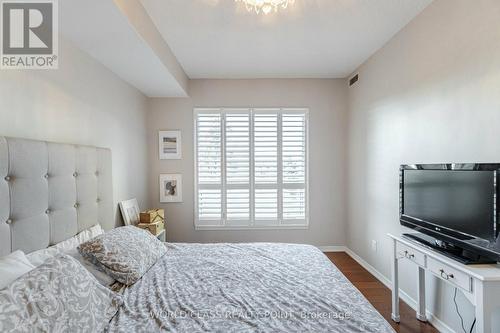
(265, 6)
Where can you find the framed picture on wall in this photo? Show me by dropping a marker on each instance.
(130, 211)
(169, 143)
(171, 187)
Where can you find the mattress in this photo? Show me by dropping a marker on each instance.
(257, 287)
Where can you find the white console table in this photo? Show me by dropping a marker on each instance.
(479, 283)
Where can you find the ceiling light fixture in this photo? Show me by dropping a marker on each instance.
(265, 6)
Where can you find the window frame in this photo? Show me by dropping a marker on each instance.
(220, 224)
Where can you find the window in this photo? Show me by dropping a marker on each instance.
(251, 168)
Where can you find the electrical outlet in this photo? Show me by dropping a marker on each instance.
(374, 245)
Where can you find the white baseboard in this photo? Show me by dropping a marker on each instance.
(438, 324)
(369, 268)
(332, 248)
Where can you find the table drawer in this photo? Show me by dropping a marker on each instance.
(445, 272)
(410, 254)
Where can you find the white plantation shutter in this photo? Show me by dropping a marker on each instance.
(209, 148)
(266, 204)
(209, 165)
(210, 204)
(266, 148)
(237, 141)
(294, 148)
(251, 168)
(237, 166)
(293, 142)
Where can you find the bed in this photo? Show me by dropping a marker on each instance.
(260, 287)
(61, 190)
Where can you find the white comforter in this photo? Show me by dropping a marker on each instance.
(257, 287)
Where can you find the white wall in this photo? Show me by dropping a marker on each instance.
(327, 101)
(83, 103)
(432, 94)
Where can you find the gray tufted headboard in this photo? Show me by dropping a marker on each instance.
(49, 192)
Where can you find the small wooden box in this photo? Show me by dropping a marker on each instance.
(152, 216)
(155, 228)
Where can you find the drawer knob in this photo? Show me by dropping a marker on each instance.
(444, 275)
(409, 255)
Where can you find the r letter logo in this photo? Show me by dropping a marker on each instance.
(29, 34)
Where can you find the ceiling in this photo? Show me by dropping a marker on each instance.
(158, 45)
(311, 39)
(123, 44)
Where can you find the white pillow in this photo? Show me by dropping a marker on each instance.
(38, 257)
(71, 243)
(69, 246)
(89, 234)
(13, 266)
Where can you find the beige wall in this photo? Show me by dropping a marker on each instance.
(432, 94)
(327, 101)
(82, 102)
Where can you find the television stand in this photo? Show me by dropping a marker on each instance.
(456, 253)
(480, 284)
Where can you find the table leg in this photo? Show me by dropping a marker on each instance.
(421, 295)
(485, 296)
(395, 284)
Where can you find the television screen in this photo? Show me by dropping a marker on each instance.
(459, 200)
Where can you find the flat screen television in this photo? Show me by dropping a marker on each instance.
(457, 205)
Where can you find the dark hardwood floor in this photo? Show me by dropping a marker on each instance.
(378, 294)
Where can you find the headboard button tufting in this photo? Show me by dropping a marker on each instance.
(48, 192)
(98, 200)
